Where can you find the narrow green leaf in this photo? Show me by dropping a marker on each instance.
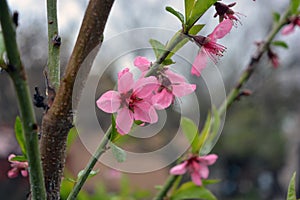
(20, 135)
(196, 28)
(294, 6)
(210, 181)
(189, 191)
(71, 180)
(168, 62)
(280, 44)
(188, 5)
(276, 17)
(92, 173)
(190, 130)
(118, 153)
(158, 47)
(205, 132)
(193, 31)
(213, 134)
(176, 13)
(72, 135)
(21, 158)
(199, 9)
(291, 195)
(2, 46)
(115, 135)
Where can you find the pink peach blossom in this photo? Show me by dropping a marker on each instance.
(17, 167)
(131, 101)
(209, 47)
(171, 84)
(290, 28)
(197, 166)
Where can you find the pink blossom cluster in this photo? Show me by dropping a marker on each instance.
(139, 100)
(17, 167)
(196, 166)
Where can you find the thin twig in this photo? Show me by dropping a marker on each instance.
(17, 73)
(59, 118)
(54, 42)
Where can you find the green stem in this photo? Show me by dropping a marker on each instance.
(92, 162)
(53, 44)
(173, 43)
(102, 147)
(17, 73)
(167, 186)
(235, 93)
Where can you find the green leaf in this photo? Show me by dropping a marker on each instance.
(210, 181)
(200, 7)
(67, 186)
(280, 44)
(213, 133)
(294, 6)
(189, 191)
(176, 13)
(2, 51)
(2, 45)
(20, 135)
(72, 135)
(118, 153)
(205, 132)
(71, 180)
(92, 173)
(21, 158)
(291, 195)
(276, 17)
(115, 135)
(168, 62)
(188, 5)
(158, 47)
(215, 125)
(190, 130)
(196, 28)
(193, 31)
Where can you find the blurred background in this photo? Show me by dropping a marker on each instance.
(259, 146)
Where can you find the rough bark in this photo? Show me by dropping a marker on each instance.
(58, 119)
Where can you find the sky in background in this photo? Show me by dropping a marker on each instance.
(256, 17)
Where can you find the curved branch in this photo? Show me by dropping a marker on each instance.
(17, 73)
(58, 120)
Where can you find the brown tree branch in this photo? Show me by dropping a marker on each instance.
(58, 120)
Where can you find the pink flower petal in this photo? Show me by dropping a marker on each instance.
(10, 157)
(199, 63)
(183, 89)
(179, 169)
(125, 81)
(13, 173)
(24, 173)
(109, 102)
(208, 160)
(145, 112)
(288, 29)
(196, 178)
(203, 171)
(121, 73)
(221, 29)
(124, 121)
(145, 86)
(142, 63)
(174, 77)
(162, 99)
